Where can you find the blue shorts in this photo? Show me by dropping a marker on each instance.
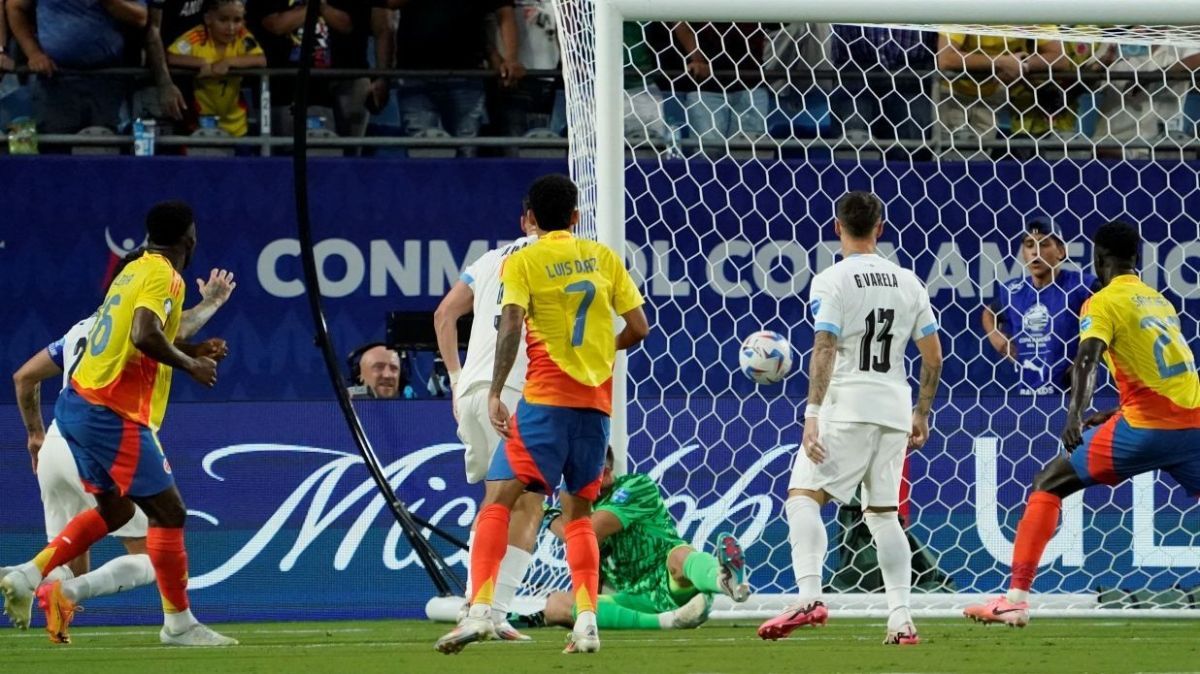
(111, 452)
(1115, 451)
(548, 444)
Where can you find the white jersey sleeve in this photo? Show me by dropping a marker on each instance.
(826, 305)
(484, 278)
(67, 350)
(873, 307)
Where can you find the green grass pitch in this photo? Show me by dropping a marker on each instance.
(404, 647)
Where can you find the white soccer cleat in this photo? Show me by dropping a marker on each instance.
(18, 599)
(587, 641)
(196, 635)
(692, 614)
(506, 632)
(468, 631)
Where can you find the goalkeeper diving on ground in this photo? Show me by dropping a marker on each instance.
(652, 579)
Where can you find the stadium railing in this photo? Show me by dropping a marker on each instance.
(828, 139)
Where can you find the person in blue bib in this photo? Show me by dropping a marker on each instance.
(1033, 321)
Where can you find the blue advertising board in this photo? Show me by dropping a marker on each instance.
(286, 524)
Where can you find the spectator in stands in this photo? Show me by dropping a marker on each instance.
(881, 85)
(216, 50)
(169, 20)
(441, 35)
(66, 34)
(1034, 321)
(1047, 103)
(522, 103)
(652, 48)
(375, 372)
(1136, 111)
(279, 26)
(368, 18)
(987, 73)
(726, 96)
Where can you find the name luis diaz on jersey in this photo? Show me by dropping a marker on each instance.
(568, 267)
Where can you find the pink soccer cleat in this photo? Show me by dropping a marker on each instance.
(795, 616)
(905, 636)
(999, 610)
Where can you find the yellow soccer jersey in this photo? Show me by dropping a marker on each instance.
(220, 96)
(992, 45)
(569, 288)
(1147, 355)
(112, 372)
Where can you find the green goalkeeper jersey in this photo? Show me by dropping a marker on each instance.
(636, 554)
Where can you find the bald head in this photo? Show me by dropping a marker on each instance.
(380, 367)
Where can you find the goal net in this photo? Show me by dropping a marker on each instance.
(732, 142)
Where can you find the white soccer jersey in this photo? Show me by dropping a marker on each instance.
(67, 351)
(874, 307)
(484, 278)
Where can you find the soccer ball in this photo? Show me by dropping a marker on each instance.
(765, 357)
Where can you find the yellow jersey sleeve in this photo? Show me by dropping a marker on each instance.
(957, 39)
(156, 294)
(249, 44)
(1096, 319)
(514, 275)
(626, 296)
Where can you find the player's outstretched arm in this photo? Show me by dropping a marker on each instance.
(637, 327)
(457, 303)
(213, 295)
(1083, 385)
(27, 381)
(930, 347)
(148, 337)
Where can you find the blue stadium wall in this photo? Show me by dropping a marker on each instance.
(286, 524)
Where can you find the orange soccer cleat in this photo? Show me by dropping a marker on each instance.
(59, 611)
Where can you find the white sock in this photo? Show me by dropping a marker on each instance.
(120, 574)
(1016, 596)
(480, 611)
(585, 620)
(63, 573)
(512, 572)
(810, 542)
(32, 575)
(178, 623)
(895, 564)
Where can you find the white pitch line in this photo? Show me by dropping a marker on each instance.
(87, 632)
(235, 649)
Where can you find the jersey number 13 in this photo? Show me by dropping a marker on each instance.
(878, 330)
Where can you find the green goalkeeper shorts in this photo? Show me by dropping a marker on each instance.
(655, 593)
